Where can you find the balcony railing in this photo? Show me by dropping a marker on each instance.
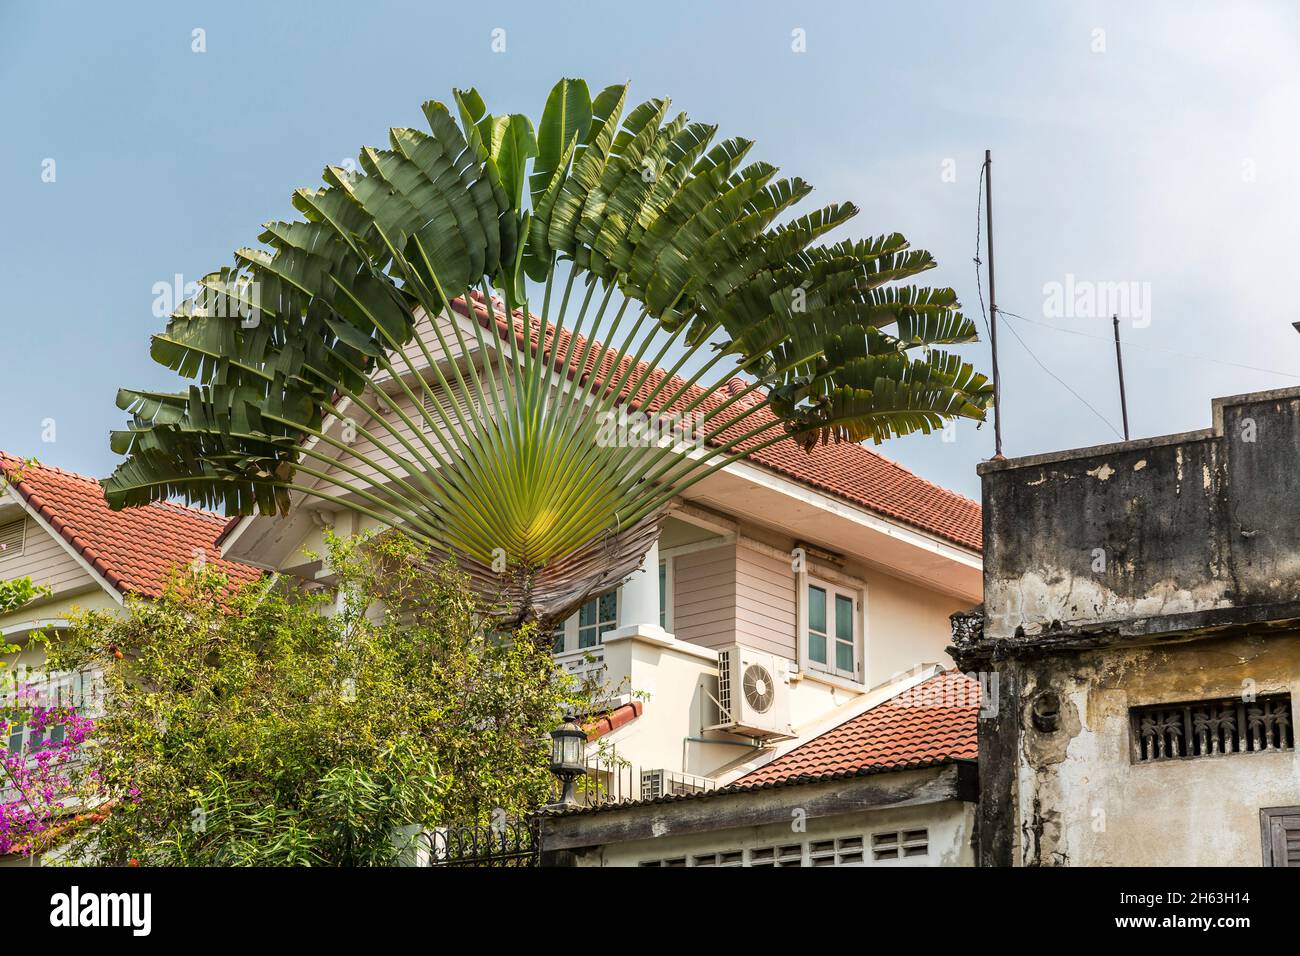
(610, 779)
(587, 663)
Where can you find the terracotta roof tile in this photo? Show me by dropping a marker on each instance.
(601, 724)
(134, 549)
(847, 470)
(931, 723)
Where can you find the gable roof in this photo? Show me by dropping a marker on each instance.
(929, 724)
(134, 549)
(846, 470)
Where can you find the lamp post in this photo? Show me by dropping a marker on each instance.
(568, 748)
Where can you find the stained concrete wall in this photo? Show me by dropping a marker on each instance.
(1141, 532)
(1082, 798)
(1157, 571)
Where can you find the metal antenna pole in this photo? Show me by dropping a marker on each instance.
(1119, 363)
(993, 308)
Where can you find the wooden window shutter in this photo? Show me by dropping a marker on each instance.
(1280, 828)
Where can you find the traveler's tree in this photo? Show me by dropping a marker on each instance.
(635, 224)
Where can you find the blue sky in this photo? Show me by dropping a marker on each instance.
(1152, 146)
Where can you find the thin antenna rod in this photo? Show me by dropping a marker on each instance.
(993, 308)
(1119, 363)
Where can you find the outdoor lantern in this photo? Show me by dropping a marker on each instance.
(568, 747)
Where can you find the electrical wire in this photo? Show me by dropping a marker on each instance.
(1152, 348)
(1062, 381)
(979, 213)
(979, 288)
(979, 210)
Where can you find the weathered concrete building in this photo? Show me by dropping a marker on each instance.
(1142, 615)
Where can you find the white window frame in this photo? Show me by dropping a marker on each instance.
(854, 849)
(899, 847)
(571, 630)
(833, 584)
(666, 591)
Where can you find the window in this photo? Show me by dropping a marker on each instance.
(596, 617)
(843, 852)
(899, 844)
(790, 854)
(13, 536)
(1281, 832)
(83, 690)
(666, 594)
(833, 630)
(23, 734)
(848, 850)
(586, 629)
(1212, 728)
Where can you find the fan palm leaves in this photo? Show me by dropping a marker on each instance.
(380, 353)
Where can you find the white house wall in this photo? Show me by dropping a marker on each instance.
(948, 825)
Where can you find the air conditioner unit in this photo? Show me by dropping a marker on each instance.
(753, 696)
(658, 783)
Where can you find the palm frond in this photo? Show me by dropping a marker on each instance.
(333, 363)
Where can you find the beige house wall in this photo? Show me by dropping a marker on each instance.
(46, 562)
(745, 592)
(704, 610)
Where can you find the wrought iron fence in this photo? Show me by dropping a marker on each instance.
(608, 780)
(508, 843)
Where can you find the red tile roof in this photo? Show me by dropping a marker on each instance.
(134, 549)
(931, 723)
(847, 470)
(608, 722)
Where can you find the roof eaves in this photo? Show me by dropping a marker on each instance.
(737, 789)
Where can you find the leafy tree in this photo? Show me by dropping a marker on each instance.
(634, 223)
(280, 726)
